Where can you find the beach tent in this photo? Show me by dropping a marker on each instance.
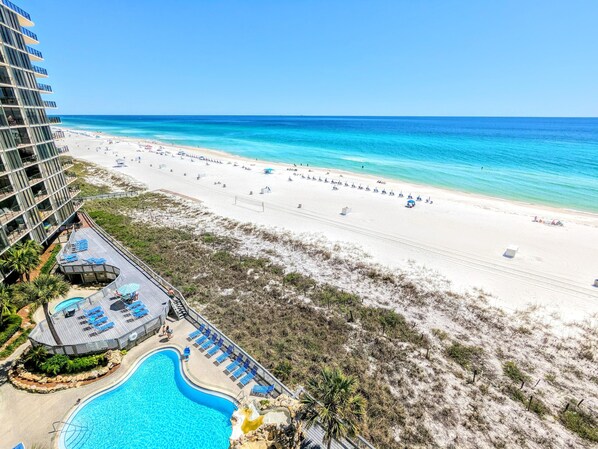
(410, 203)
(268, 171)
(511, 251)
(345, 211)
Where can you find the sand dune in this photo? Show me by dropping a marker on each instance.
(461, 236)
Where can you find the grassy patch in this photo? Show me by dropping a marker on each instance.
(10, 325)
(21, 339)
(468, 357)
(300, 282)
(581, 423)
(536, 406)
(512, 371)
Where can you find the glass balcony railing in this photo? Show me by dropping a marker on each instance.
(53, 119)
(29, 33)
(28, 160)
(15, 8)
(44, 87)
(34, 52)
(58, 135)
(40, 70)
(64, 149)
(50, 104)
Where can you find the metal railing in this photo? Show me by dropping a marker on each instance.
(64, 149)
(44, 87)
(34, 52)
(6, 190)
(54, 119)
(39, 70)
(29, 33)
(196, 318)
(15, 8)
(50, 104)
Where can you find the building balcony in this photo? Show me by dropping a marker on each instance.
(9, 213)
(77, 203)
(29, 36)
(15, 121)
(2, 167)
(40, 195)
(44, 88)
(40, 72)
(50, 104)
(44, 213)
(28, 160)
(34, 55)
(70, 178)
(74, 191)
(34, 178)
(54, 120)
(16, 234)
(58, 135)
(23, 16)
(6, 191)
(64, 149)
(5, 80)
(67, 162)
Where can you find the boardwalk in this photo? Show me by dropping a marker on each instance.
(75, 330)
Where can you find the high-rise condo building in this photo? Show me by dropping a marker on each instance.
(36, 194)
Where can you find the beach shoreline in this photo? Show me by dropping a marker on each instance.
(363, 177)
(461, 236)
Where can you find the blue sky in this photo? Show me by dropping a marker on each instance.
(321, 57)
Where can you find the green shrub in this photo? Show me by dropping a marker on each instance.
(55, 365)
(465, 356)
(512, 371)
(47, 267)
(329, 295)
(62, 364)
(581, 423)
(10, 325)
(300, 282)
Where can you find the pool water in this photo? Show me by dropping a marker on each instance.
(156, 407)
(67, 303)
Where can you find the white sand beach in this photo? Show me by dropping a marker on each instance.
(460, 236)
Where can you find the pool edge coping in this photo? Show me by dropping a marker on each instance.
(71, 413)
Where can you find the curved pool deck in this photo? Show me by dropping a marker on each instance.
(154, 405)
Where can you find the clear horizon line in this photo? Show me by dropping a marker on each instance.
(341, 116)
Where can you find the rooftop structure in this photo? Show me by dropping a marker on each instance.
(36, 196)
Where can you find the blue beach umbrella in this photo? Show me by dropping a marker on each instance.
(128, 289)
(411, 203)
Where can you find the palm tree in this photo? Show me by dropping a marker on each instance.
(6, 306)
(22, 258)
(43, 290)
(36, 355)
(336, 405)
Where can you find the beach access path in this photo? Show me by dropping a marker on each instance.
(459, 236)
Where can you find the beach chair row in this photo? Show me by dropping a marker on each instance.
(97, 319)
(70, 258)
(209, 341)
(137, 309)
(79, 245)
(95, 260)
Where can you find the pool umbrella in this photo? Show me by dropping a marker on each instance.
(128, 289)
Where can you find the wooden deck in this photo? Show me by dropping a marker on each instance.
(75, 330)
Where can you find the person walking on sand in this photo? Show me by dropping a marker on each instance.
(169, 332)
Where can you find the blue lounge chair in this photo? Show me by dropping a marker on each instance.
(203, 338)
(216, 348)
(106, 326)
(262, 390)
(241, 370)
(225, 355)
(93, 311)
(210, 342)
(95, 260)
(196, 332)
(98, 322)
(70, 258)
(141, 313)
(247, 378)
(98, 316)
(233, 365)
(134, 305)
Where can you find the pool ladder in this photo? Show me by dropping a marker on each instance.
(75, 435)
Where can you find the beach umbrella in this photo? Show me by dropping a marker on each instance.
(128, 289)
(268, 170)
(411, 203)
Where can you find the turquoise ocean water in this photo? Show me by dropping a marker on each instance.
(551, 161)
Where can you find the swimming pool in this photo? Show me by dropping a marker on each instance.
(67, 303)
(154, 407)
